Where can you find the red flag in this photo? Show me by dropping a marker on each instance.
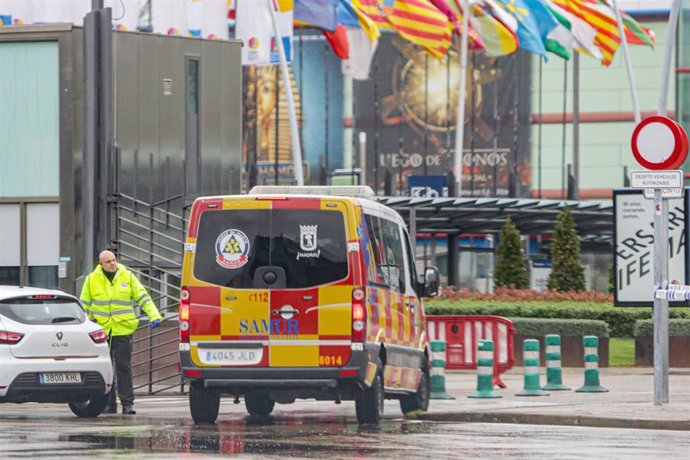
(339, 42)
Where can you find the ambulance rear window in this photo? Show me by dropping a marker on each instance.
(309, 245)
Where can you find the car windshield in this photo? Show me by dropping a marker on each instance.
(53, 310)
(308, 244)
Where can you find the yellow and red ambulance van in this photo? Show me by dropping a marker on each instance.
(302, 292)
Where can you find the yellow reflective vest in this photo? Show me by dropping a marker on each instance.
(111, 304)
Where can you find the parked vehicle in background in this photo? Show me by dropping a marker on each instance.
(302, 292)
(51, 352)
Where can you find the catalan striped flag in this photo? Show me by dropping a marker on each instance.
(602, 19)
(418, 21)
(455, 17)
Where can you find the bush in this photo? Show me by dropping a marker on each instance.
(510, 294)
(676, 328)
(532, 327)
(620, 321)
(511, 263)
(568, 273)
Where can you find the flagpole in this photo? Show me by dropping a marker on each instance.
(628, 63)
(460, 128)
(668, 55)
(294, 133)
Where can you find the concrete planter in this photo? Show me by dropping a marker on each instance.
(572, 350)
(678, 347)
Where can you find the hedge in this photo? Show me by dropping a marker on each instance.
(620, 321)
(534, 327)
(676, 328)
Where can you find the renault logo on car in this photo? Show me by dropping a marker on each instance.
(59, 335)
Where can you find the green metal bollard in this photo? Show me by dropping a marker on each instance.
(591, 358)
(438, 370)
(485, 371)
(554, 374)
(530, 356)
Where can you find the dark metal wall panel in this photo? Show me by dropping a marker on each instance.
(127, 102)
(171, 116)
(211, 109)
(231, 123)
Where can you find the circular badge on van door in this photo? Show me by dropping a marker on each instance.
(232, 249)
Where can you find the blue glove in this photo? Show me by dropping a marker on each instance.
(155, 323)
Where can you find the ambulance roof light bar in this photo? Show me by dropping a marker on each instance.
(356, 191)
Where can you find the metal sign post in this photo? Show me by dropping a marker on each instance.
(660, 144)
(660, 305)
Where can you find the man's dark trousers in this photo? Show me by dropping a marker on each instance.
(121, 354)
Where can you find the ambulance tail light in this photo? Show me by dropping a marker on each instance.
(359, 315)
(184, 315)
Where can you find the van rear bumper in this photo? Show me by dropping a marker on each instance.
(277, 377)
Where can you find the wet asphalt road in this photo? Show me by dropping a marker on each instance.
(163, 429)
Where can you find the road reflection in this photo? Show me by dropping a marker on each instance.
(310, 436)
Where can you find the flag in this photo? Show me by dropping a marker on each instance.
(351, 15)
(635, 33)
(455, 18)
(317, 13)
(583, 33)
(254, 27)
(362, 51)
(535, 22)
(423, 24)
(339, 42)
(560, 40)
(378, 11)
(601, 18)
(498, 38)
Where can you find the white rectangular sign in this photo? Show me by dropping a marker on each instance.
(665, 193)
(634, 247)
(656, 179)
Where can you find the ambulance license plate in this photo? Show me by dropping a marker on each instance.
(48, 378)
(231, 356)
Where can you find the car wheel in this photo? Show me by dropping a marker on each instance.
(204, 403)
(93, 407)
(258, 404)
(369, 404)
(418, 401)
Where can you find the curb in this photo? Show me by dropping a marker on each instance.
(563, 420)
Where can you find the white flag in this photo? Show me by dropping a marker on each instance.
(362, 51)
(255, 28)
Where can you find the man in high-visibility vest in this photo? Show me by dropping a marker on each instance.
(109, 295)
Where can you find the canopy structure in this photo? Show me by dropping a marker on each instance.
(594, 220)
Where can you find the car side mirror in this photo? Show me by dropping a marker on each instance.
(431, 281)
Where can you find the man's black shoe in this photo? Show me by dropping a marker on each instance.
(111, 410)
(128, 410)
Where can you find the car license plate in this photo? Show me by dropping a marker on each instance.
(231, 356)
(59, 377)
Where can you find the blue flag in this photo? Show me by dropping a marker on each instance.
(317, 13)
(535, 21)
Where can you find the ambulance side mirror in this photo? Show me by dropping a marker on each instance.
(431, 282)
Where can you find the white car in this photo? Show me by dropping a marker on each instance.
(51, 352)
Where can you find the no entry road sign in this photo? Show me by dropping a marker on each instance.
(659, 143)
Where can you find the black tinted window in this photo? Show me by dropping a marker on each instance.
(43, 311)
(309, 245)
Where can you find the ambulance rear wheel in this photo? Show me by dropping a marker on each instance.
(369, 404)
(258, 405)
(204, 403)
(420, 400)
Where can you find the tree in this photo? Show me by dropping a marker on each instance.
(511, 262)
(567, 273)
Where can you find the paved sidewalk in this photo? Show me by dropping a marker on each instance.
(629, 402)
